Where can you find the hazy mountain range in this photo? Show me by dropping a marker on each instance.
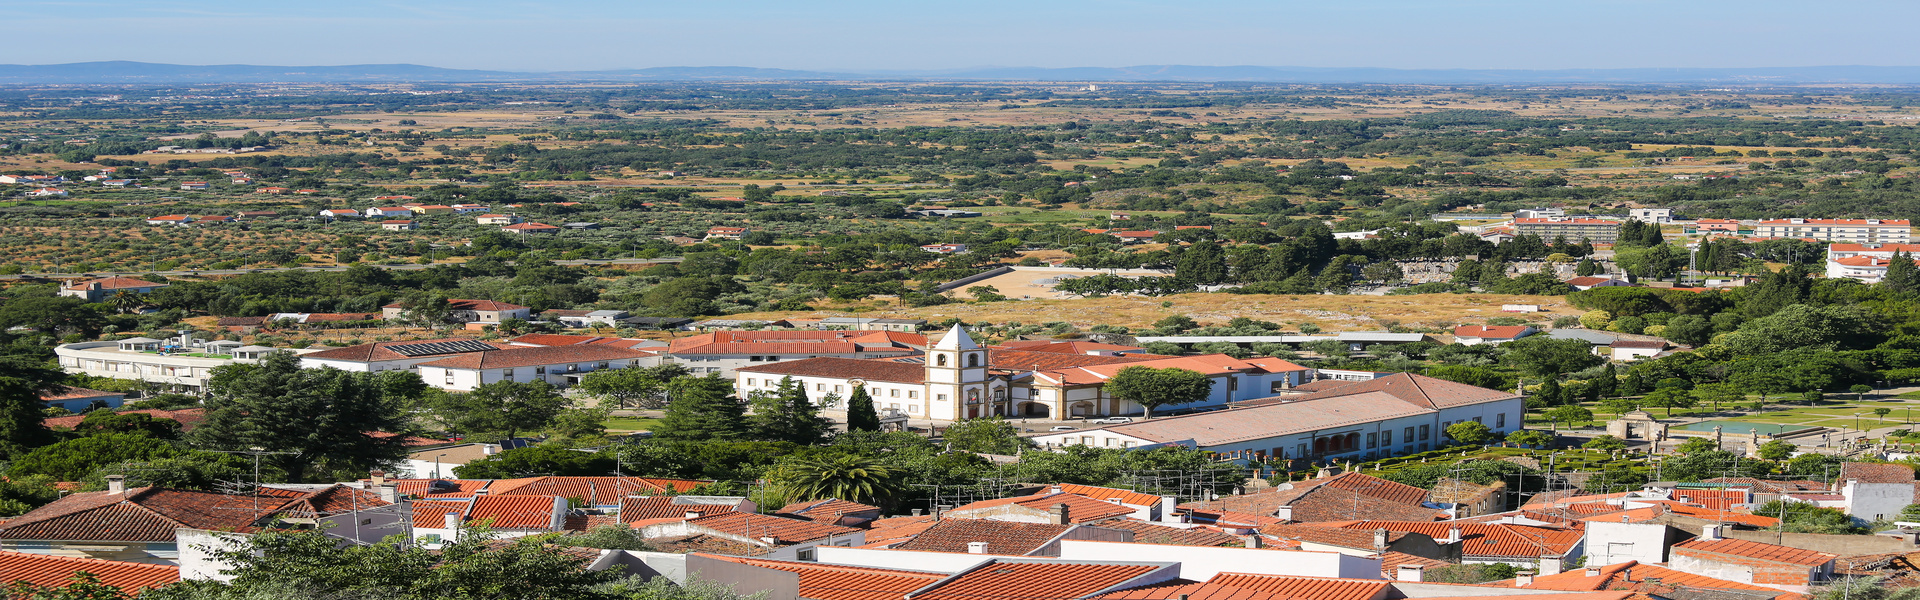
(126, 72)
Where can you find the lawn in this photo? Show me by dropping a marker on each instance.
(631, 424)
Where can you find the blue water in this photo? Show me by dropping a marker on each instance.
(1737, 427)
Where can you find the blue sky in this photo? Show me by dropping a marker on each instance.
(909, 34)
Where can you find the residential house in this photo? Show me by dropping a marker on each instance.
(1468, 499)
(99, 290)
(1859, 231)
(1778, 567)
(340, 213)
(832, 511)
(138, 524)
(116, 182)
(1134, 237)
(170, 220)
(1657, 216)
(167, 363)
(1631, 350)
(439, 521)
(1058, 508)
(1548, 549)
(1146, 507)
(725, 233)
(1333, 498)
(609, 318)
(648, 508)
(389, 212)
(271, 190)
(1004, 538)
(1651, 579)
(561, 366)
(48, 193)
(397, 225)
(432, 209)
(1474, 335)
(438, 463)
(1708, 226)
(1875, 492)
(469, 208)
(496, 219)
(945, 248)
(767, 536)
(1398, 414)
(243, 181)
(194, 185)
(1355, 542)
(530, 228)
(468, 311)
(870, 324)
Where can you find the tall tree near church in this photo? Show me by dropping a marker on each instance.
(861, 415)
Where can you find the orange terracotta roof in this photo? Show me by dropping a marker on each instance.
(1632, 575)
(783, 530)
(1876, 472)
(1390, 563)
(1886, 222)
(838, 582)
(1004, 578)
(1105, 493)
(599, 491)
(378, 351)
(829, 509)
(1181, 588)
(533, 356)
(1002, 537)
(1154, 533)
(1080, 509)
(1310, 588)
(1753, 550)
(896, 529)
(1489, 539)
(58, 571)
(637, 508)
(1495, 332)
(146, 514)
(1419, 390)
(515, 512)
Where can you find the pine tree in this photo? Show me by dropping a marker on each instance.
(1551, 393)
(317, 419)
(1586, 268)
(787, 415)
(702, 409)
(1651, 236)
(1203, 263)
(1608, 383)
(1902, 274)
(21, 413)
(860, 413)
(1634, 386)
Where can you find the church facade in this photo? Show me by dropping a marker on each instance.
(959, 379)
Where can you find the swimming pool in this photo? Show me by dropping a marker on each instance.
(1741, 427)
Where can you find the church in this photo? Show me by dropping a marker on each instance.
(959, 379)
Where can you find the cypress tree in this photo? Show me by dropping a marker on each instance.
(703, 408)
(1586, 268)
(1902, 274)
(1551, 393)
(1607, 383)
(860, 413)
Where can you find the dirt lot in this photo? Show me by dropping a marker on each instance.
(1024, 284)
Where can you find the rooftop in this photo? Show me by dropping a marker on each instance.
(1756, 551)
(46, 570)
(1002, 537)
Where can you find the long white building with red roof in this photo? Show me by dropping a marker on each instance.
(1865, 262)
(1859, 231)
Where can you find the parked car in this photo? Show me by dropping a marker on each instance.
(1063, 428)
(1112, 420)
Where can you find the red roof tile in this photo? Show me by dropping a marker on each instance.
(1154, 533)
(783, 530)
(139, 515)
(1104, 493)
(1876, 472)
(532, 356)
(837, 582)
(844, 368)
(1035, 580)
(186, 417)
(45, 570)
(515, 512)
(599, 491)
(1489, 539)
(829, 510)
(378, 351)
(1495, 332)
(1632, 575)
(1181, 588)
(636, 508)
(1002, 537)
(1752, 550)
(1419, 390)
(1080, 509)
(1309, 588)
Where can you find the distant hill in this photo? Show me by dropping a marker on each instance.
(127, 72)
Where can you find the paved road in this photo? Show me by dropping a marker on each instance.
(406, 267)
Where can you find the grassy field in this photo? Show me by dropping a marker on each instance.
(627, 424)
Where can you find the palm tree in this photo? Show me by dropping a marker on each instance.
(843, 476)
(124, 301)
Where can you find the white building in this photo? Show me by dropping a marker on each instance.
(958, 379)
(96, 290)
(1651, 215)
(395, 356)
(725, 352)
(560, 366)
(1859, 231)
(1865, 262)
(163, 362)
(1393, 415)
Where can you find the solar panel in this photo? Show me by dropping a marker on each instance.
(431, 348)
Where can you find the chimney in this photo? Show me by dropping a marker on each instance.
(1593, 571)
(1710, 533)
(1168, 509)
(916, 512)
(116, 484)
(1411, 573)
(1522, 579)
(1380, 539)
(379, 477)
(1284, 513)
(1054, 489)
(1057, 514)
(452, 520)
(1254, 540)
(388, 494)
(1453, 534)
(692, 515)
(976, 547)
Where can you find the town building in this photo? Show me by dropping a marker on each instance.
(724, 352)
(1779, 567)
(1728, 226)
(165, 362)
(1576, 230)
(170, 220)
(725, 233)
(389, 212)
(397, 225)
(395, 356)
(1586, 283)
(76, 399)
(1865, 262)
(496, 219)
(486, 312)
(529, 228)
(340, 213)
(1539, 213)
(99, 290)
(561, 366)
(1393, 415)
(1859, 231)
(1656, 216)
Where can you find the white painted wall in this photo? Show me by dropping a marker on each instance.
(1202, 563)
(1875, 501)
(1612, 543)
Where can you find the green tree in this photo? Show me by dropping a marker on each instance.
(1670, 398)
(1716, 394)
(1543, 356)
(1153, 388)
(1529, 437)
(22, 427)
(986, 436)
(787, 415)
(1902, 274)
(101, 422)
(1860, 391)
(503, 408)
(861, 414)
(81, 586)
(73, 459)
(1471, 432)
(838, 475)
(1697, 445)
(319, 418)
(703, 408)
(1203, 263)
(1569, 414)
(542, 459)
(638, 387)
(1778, 450)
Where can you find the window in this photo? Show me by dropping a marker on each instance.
(806, 554)
(893, 393)
(540, 370)
(940, 397)
(449, 377)
(940, 360)
(973, 360)
(1371, 438)
(819, 387)
(895, 406)
(912, 394)
(600, 366)
(913, 408)
(753, 359)
(837, 388)
(752, 381)
(1500, 420)
(1426, 431)
(507, 373)
(1476, 419)
(1086, 439)
(1407, 435)
(1386, 438)
(1107, 441)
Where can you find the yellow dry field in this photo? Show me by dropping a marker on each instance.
(1021, 285)
(1332, 313)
